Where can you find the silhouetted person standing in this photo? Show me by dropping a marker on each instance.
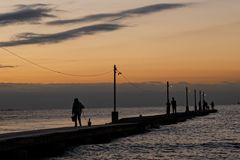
(212, 105)
(77, 111)
(174, 105)
(207, 106)
(204, 105)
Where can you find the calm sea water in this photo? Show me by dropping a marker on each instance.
(216, 136)
(24, 120)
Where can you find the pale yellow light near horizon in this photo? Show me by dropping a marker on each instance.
(195, 44)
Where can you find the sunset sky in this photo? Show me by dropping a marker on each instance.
(192, 41)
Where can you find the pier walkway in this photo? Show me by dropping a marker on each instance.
(51, 142)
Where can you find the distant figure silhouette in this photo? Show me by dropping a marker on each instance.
(207, 106)
(204, 105)
(174, 105)
(212, 105)
(89, 123)
(77, 111)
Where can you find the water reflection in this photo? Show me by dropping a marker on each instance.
(24, 120)
(215, 136)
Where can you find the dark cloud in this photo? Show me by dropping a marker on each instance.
(157, 82)
(26, 14)
(183, 83)
(23, 6)
(120, 15)
(231, 83)
(33, 38)
(4, 66)
(226, 82)
(35, 12)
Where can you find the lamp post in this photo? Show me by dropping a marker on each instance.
(203, 101)
(195, 100)
(168, 102)
(187, 107)
(200, 100)
(115, 113)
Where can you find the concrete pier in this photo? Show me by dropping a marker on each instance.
(51, 142)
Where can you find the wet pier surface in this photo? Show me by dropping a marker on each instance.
(51, 142)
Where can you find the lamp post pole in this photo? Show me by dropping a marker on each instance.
(203, 101)
(168, 102)
(115, 113)
(195, 99)
(115, 71)
(187, 107)
(200, 100)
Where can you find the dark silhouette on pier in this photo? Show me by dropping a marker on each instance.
(195, 100)
(174, 105)
(89, 122)
(200, 105)
(187, 107)
(200, 101)
(205, 105)
(168, 107)
(77, 111)
(115, 113)
(168, 102)
(212, 105)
